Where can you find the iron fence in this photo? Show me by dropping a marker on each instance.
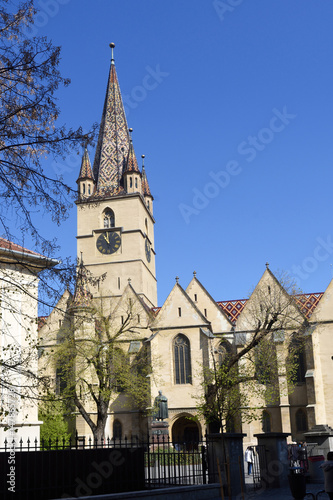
(77, 467)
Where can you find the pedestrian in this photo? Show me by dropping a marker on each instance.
(249, 458)
(328, 474)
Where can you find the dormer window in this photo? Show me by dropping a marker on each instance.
(108, 218)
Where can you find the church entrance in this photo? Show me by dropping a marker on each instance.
(185, 433)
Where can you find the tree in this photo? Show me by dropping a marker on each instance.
(261, 363)
(54, 428)
(29, 133)
(101, 358)
(29, 79)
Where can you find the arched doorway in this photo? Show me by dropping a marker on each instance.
(185, 432)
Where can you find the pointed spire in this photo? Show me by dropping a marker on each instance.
(86, 170)
(144, 182)
(82, 296)
(113, 140)
(131, 164)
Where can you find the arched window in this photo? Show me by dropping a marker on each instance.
(301, 421)
(266, 421)
(108, 218)
(297, 351)
(182, 360)
(117, 429)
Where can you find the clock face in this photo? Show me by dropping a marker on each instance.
(148, 251)
(108, 242)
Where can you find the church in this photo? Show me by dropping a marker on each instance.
(191, 330)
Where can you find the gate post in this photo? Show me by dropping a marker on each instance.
(274, 470)
(223, 447)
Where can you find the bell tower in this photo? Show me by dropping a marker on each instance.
(115, 223)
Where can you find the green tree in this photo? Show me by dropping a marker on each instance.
(55, 426)
(261, 362)
(102, 357)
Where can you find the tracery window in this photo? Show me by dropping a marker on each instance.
(108, 218)
(182, 360)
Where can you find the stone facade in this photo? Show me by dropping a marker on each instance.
(115, 238)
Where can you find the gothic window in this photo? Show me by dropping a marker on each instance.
(297, 351)
(301, 421)
(108, 218)
(117, 429)
(266, 421)
(182, 360)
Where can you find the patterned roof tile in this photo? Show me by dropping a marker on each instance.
(113, 140)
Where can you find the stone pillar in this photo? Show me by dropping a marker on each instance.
(274, 465)
(160, 433)
(320, 437)
(223, 448)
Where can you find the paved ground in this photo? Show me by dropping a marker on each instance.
(282, 493)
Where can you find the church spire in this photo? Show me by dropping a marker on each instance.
(113, 140)
(86, 171)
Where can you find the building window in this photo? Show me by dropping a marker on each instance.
(301, 421)
(118, 283)
(136, 182)
(89, 191)
(131, 182)
(117, 429)
(108, 218)
(266, 421)
(182, 360)
(205, 312)
(195, 298)
(179, 311)
(84, 188)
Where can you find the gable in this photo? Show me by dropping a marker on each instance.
(179, 311)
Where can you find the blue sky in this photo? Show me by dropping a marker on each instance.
(231, 102)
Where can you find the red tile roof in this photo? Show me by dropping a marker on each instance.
(306, 301)
(9, 245)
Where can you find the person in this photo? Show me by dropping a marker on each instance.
(161, 407)
(328, 474)
(249, 458)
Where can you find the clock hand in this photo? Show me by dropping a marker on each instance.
(107, 238)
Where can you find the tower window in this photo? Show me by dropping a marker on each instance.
(89, 190)
(179, 311)
(84, 188)
(108, 218)
(131, 182)
(148, 205)
(136, 182)
(118, 283)
(195, 297)
(182, 360)
(205, 311)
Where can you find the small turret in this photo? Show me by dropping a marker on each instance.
(145, 188)
(132, 174)
(86, 182)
